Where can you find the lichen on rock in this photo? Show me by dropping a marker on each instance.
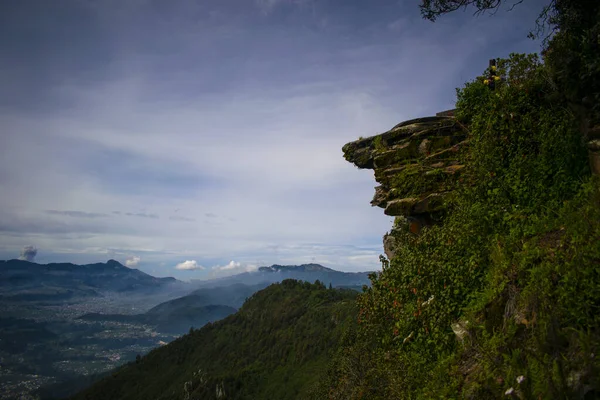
(418, 165)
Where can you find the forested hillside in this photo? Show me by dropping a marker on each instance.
(277, 346)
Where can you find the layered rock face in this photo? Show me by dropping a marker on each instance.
(418, 166)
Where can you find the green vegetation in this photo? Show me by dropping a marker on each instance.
(508, 286)
(413, 181)
(276, 347)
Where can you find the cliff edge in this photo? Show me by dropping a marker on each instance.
(418, 164)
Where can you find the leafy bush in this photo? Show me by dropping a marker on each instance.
(466, 308)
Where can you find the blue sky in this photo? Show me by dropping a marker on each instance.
(208, 134)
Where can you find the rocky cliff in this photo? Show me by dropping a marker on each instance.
(418, 164)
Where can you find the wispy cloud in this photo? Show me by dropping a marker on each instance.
(180, 218)
(142, 215)
(77, 214)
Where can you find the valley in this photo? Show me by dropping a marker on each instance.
(42, 344)
(52, 346)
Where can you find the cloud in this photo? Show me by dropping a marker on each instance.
(189, 265)
(180, 218)
(139, 214)
(133, 261)
(142, 215)
(233, 268)
(77, 214)
(231, 265)
(243, 115)
(28, 253)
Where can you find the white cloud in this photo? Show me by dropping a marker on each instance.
(188, 265)
(133, 261)
(231, 265)
(233, 268)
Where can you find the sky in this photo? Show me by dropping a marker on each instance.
(201, 138)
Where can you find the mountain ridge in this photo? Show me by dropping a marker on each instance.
(304, 272)
(301, 267)
(25, 280)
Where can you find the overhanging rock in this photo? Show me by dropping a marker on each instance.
(418, 165)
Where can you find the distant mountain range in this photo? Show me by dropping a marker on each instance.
(304, 272)
(212, 300)
(24, 280)
(28, 281)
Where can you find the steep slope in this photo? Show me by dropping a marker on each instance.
(277, 346)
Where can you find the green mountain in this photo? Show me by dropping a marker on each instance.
(277, 346)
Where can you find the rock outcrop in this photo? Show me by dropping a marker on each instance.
(418, 166)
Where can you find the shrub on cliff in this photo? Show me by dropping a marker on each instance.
(526, 150)
(507, 287)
